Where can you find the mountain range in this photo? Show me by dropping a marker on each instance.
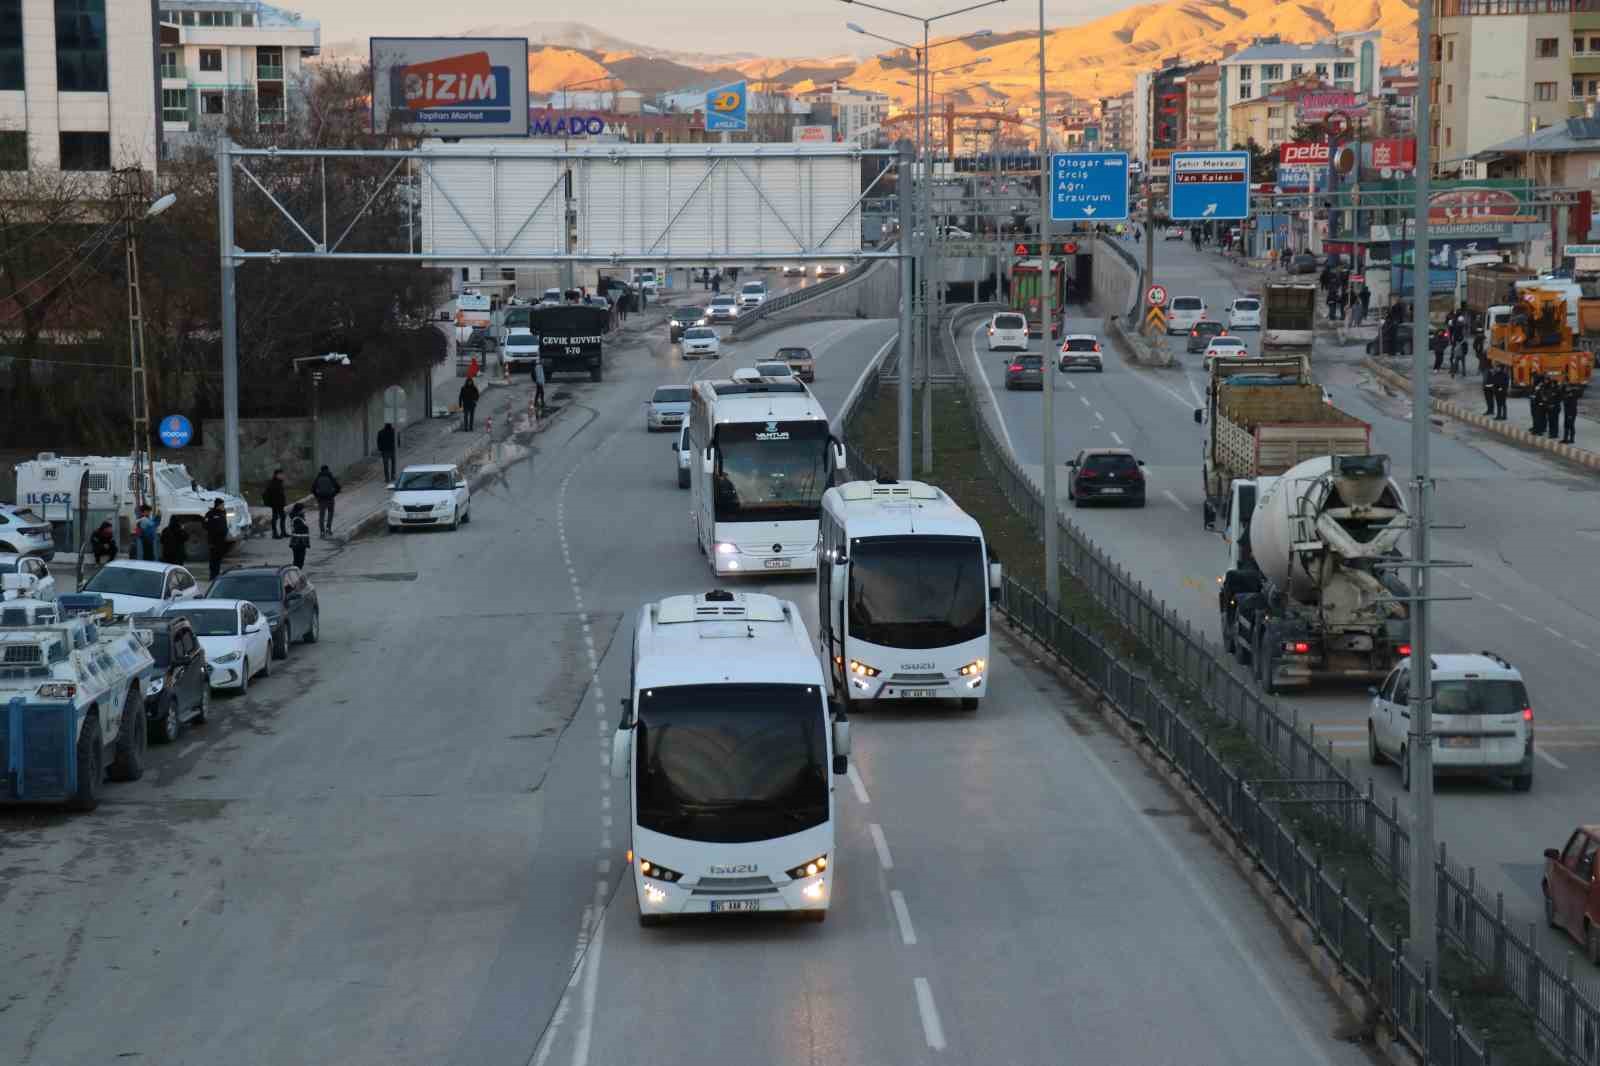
(1087, 60)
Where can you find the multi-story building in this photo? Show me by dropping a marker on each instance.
(1269, 120)
(1202, 95)
(1500, 65)
(1116, 118)
(1348, 62)
(858, 113)
(77, 85)
(230, 59)
(1399, 97)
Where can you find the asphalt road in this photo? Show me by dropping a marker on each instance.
(400, 848)
(1532, 524)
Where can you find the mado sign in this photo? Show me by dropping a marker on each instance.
(451, 86)
(555, 124)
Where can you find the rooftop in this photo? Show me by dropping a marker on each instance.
(1269, 52)
(1573, 135)
(266, 15)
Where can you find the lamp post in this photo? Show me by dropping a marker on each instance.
(139, 399)
(924, 247)
(1047, 457)
(338, 359)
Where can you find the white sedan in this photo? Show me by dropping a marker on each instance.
(1225, 346)
(700, 340)
(234, 636)
(431, 495)
(135, 587)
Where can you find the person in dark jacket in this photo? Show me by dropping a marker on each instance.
(299, 534)
(1440, 345)
(276, 496)
(216, 523)
(1552, 406)
(325, 487)
(1488, 389)
(386, 449)
(1479, 346)
(1569, 407)
(468, 399)
(174, 543)
(103, 542)
(1502, 388)
(1539, 408)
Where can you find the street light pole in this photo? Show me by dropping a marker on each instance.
(1047, 362)
(139, 398)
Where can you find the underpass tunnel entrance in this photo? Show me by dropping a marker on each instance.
(1081, 289)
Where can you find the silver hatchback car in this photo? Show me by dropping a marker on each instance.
(667, 409)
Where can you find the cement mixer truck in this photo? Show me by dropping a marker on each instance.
(1310, 594)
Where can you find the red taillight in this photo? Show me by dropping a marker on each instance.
(1097, 346)
(1405, 650)
(1194, 333)
(1086, 473)
(1527, 714)
(1301, 647)
(1015, 366)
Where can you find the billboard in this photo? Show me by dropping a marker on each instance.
(1304, 154)
(1316, 107)
(1297, 177)
(813, 135)
(451, 86)
(725, 108)
(1395, 153)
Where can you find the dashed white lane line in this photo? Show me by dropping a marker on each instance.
(1098, 417)
(1116, 436)
(1547, 757)
(1085, 400)
(188, 749)
(932, 1029)
(859, 785)
(884, 858)
(1071, 386)
(1168, 493)
(1555, 633)
(902, 915)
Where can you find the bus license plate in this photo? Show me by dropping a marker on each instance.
(918, 693)
(723, 906)
(1458, 742)
(776, 564)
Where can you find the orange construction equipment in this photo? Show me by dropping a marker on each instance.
(1539, 342)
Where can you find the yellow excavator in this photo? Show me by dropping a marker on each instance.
(1537, 342)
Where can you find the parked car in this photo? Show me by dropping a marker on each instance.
(520, 352)
(1110, 474)
(434, 494)
(1482, 719)
(1245, 313)
(550, 296)
(32, 566)
(680, 445)
(132, 586)
(800, 360)
(1571, 892)
(1201, 332)
(481, 339)
(1225, 346)
(283, 594)
(234, 637)
(177, 689)
(1174, 233)
(681, 319)
(1008, 332)
(1183, 312)
(1304, 263)
(701, 340)
(724, 307)
(774, 368)
(668, 408)
(1081, 349)
(956, 233)
(24, 533)
(1025, 372)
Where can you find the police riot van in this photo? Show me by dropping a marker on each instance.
(48, 485)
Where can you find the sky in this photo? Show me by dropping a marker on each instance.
(770, 27)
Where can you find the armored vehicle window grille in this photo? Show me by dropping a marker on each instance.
(99, 482)
(13, 616)
(23, 655)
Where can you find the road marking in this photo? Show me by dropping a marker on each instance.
(931, 1029)
(1085, 400)
(859, 785)
(602, 867)
(1071, 386)
(591, 983)
(188, 749)
(983, 376)
(1116, 436)
(902, 914)
(884, 858)
(1555, 633)
(1538, 749)
(1098, 417)
(1169, 495)
(1580, 644)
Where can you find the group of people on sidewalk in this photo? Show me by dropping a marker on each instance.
(173, 540)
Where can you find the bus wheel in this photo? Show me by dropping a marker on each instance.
(969, 703)
(649, 921)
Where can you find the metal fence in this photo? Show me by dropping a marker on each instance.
(1311, 784)
(774, 304)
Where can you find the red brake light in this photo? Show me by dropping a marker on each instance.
(1015, 366)
(1527, 714)
(1084, 472)
(1194, 333)
(1405, 651)
(1097, 346)
(1301, 647)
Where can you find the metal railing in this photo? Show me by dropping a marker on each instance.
(1268, 816)
(774, 304)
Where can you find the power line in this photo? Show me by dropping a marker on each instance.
(83, 262)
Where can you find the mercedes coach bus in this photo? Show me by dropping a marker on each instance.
(732, 744)
(761, 457)
(904, 583)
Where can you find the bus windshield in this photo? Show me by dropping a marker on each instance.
(731, 763)
(918, 592)
(770, 471)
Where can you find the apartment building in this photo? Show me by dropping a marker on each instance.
(1501, 64)
(222, 56)
(77, 85)
(1348, 62)
(858, 114)
(1116, 119)
(1202, 101)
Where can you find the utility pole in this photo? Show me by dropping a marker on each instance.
(1424, 919)
(230, 319)
(928, 253)
(907, 340)
(1047, 363)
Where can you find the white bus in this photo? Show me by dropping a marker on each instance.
(731, 742)
(904, 583)
(762, 457)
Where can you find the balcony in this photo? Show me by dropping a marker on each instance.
(272, 118)
(174, 72)
(269, 72)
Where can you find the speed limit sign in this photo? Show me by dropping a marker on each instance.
(1156, 296)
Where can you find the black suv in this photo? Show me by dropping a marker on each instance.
(283, 593)
(181, 690)
(682, 318)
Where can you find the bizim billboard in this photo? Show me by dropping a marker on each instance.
(451, 86)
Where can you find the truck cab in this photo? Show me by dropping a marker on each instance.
(1242, 578)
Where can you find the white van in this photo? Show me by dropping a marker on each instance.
(48, 486)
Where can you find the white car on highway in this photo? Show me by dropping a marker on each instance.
(724, 307)
(1225, 346)
(1245, 313)
(1008, 332)
(828, 270)
(135, 587)
(794, 270)
(519, 351)
(1080, 349)
(700, 340)
(435, 494)
(235, 637)
(753, 294)
(1183, 312)
(1482, 720)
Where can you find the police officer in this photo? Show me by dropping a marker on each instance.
(1537, 408)
(1553, 391)
(1502, 386)
(216, 526)
(1569, 407)
(1488, 387)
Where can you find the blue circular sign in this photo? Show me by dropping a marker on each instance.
(176, 431)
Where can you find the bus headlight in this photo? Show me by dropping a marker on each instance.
(658, 872)
(861, 669)
(814, 890)
(809, 869)
(727, 549)
(972, 669)
(652, 894)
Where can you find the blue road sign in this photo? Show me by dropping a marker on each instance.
(1208, 185)
(1089, 187)
(175, 431)
(725, 108)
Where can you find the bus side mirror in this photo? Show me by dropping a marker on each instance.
(1199, 416)
(707, 463)
(841, 737)
(837, 576)
(997, 582)
(621, 748)
(838, 456)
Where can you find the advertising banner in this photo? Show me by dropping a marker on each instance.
(1304, 154)
(1395, 153)
(451, 86)
(813, 135)
(1296, 177)
(1316, 107)
(726, 108)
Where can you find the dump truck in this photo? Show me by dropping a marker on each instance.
(1491, 285)
(1311, 592)
(1538, 339)
(1262, 416)
(1288, 317)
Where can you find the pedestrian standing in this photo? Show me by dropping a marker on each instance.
(1502, 390)
(538, 385)
(103, 543)
(148, 529)
(1488, 388)
(174, 543)
(716, 284)
(325, 487)
(216, 526)
(1440, 342)
(1552, 405)
(1569, 407)
(299, 534)
(386, 449)
(468, 399)
(1478, 346)
(276, 496)
(1537, 409)
(1365, 295)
